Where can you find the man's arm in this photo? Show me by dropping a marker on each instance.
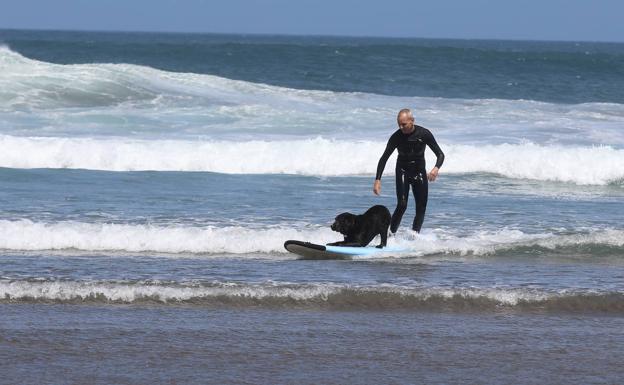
(390, 147)
(433, 145)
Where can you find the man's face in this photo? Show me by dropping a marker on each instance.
(406, 124)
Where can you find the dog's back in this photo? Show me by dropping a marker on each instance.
(379, 211)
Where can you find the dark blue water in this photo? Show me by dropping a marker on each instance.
(473, 69)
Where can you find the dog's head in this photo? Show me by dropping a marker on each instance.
(344, 223)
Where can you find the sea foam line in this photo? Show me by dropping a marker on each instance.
(31, 236)
(27, 235)
(598, 165)
(331, 295)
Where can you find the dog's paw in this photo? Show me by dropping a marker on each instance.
(379, 246)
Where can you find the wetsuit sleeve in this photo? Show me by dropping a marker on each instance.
(433, 145)
(390, 147)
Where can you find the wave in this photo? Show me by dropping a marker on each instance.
(326, 295)
(25, 235)
(581, 165)
(129, 104)
(39, 98)
(31, 83)
(32, 236)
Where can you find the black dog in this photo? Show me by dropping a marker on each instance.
(359, 230)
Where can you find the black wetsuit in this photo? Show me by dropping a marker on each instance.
(410, 170)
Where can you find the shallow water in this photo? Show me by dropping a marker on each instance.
(121, 344)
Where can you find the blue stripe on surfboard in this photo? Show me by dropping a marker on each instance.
(369, 250)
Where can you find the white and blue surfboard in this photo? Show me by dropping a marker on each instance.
(307, 250)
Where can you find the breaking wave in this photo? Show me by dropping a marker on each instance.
(26, 235)
(44, 99)
(316, 156)
(287, 295)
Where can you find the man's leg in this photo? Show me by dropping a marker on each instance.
(402, 192)
(420, 189)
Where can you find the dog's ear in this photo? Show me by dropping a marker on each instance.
(349, 220)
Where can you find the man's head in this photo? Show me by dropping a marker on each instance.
(405, 120)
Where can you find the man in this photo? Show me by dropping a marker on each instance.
(411, 141)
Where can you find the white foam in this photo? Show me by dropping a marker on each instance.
(131, 292)
(485, 242)
(317, 156)
(32, 236)
(28, 235)
(597, 165)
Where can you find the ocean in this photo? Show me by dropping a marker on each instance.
(148, 182)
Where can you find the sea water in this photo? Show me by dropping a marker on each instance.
(149, 181)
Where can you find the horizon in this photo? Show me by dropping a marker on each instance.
(264, 34)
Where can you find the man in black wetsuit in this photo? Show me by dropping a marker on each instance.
(411, 141)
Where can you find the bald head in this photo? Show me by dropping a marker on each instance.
(405, 112)
(405, 120)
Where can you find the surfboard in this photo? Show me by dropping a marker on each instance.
(307, 250)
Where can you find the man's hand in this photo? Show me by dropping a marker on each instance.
(377, 187)
(433, 175)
